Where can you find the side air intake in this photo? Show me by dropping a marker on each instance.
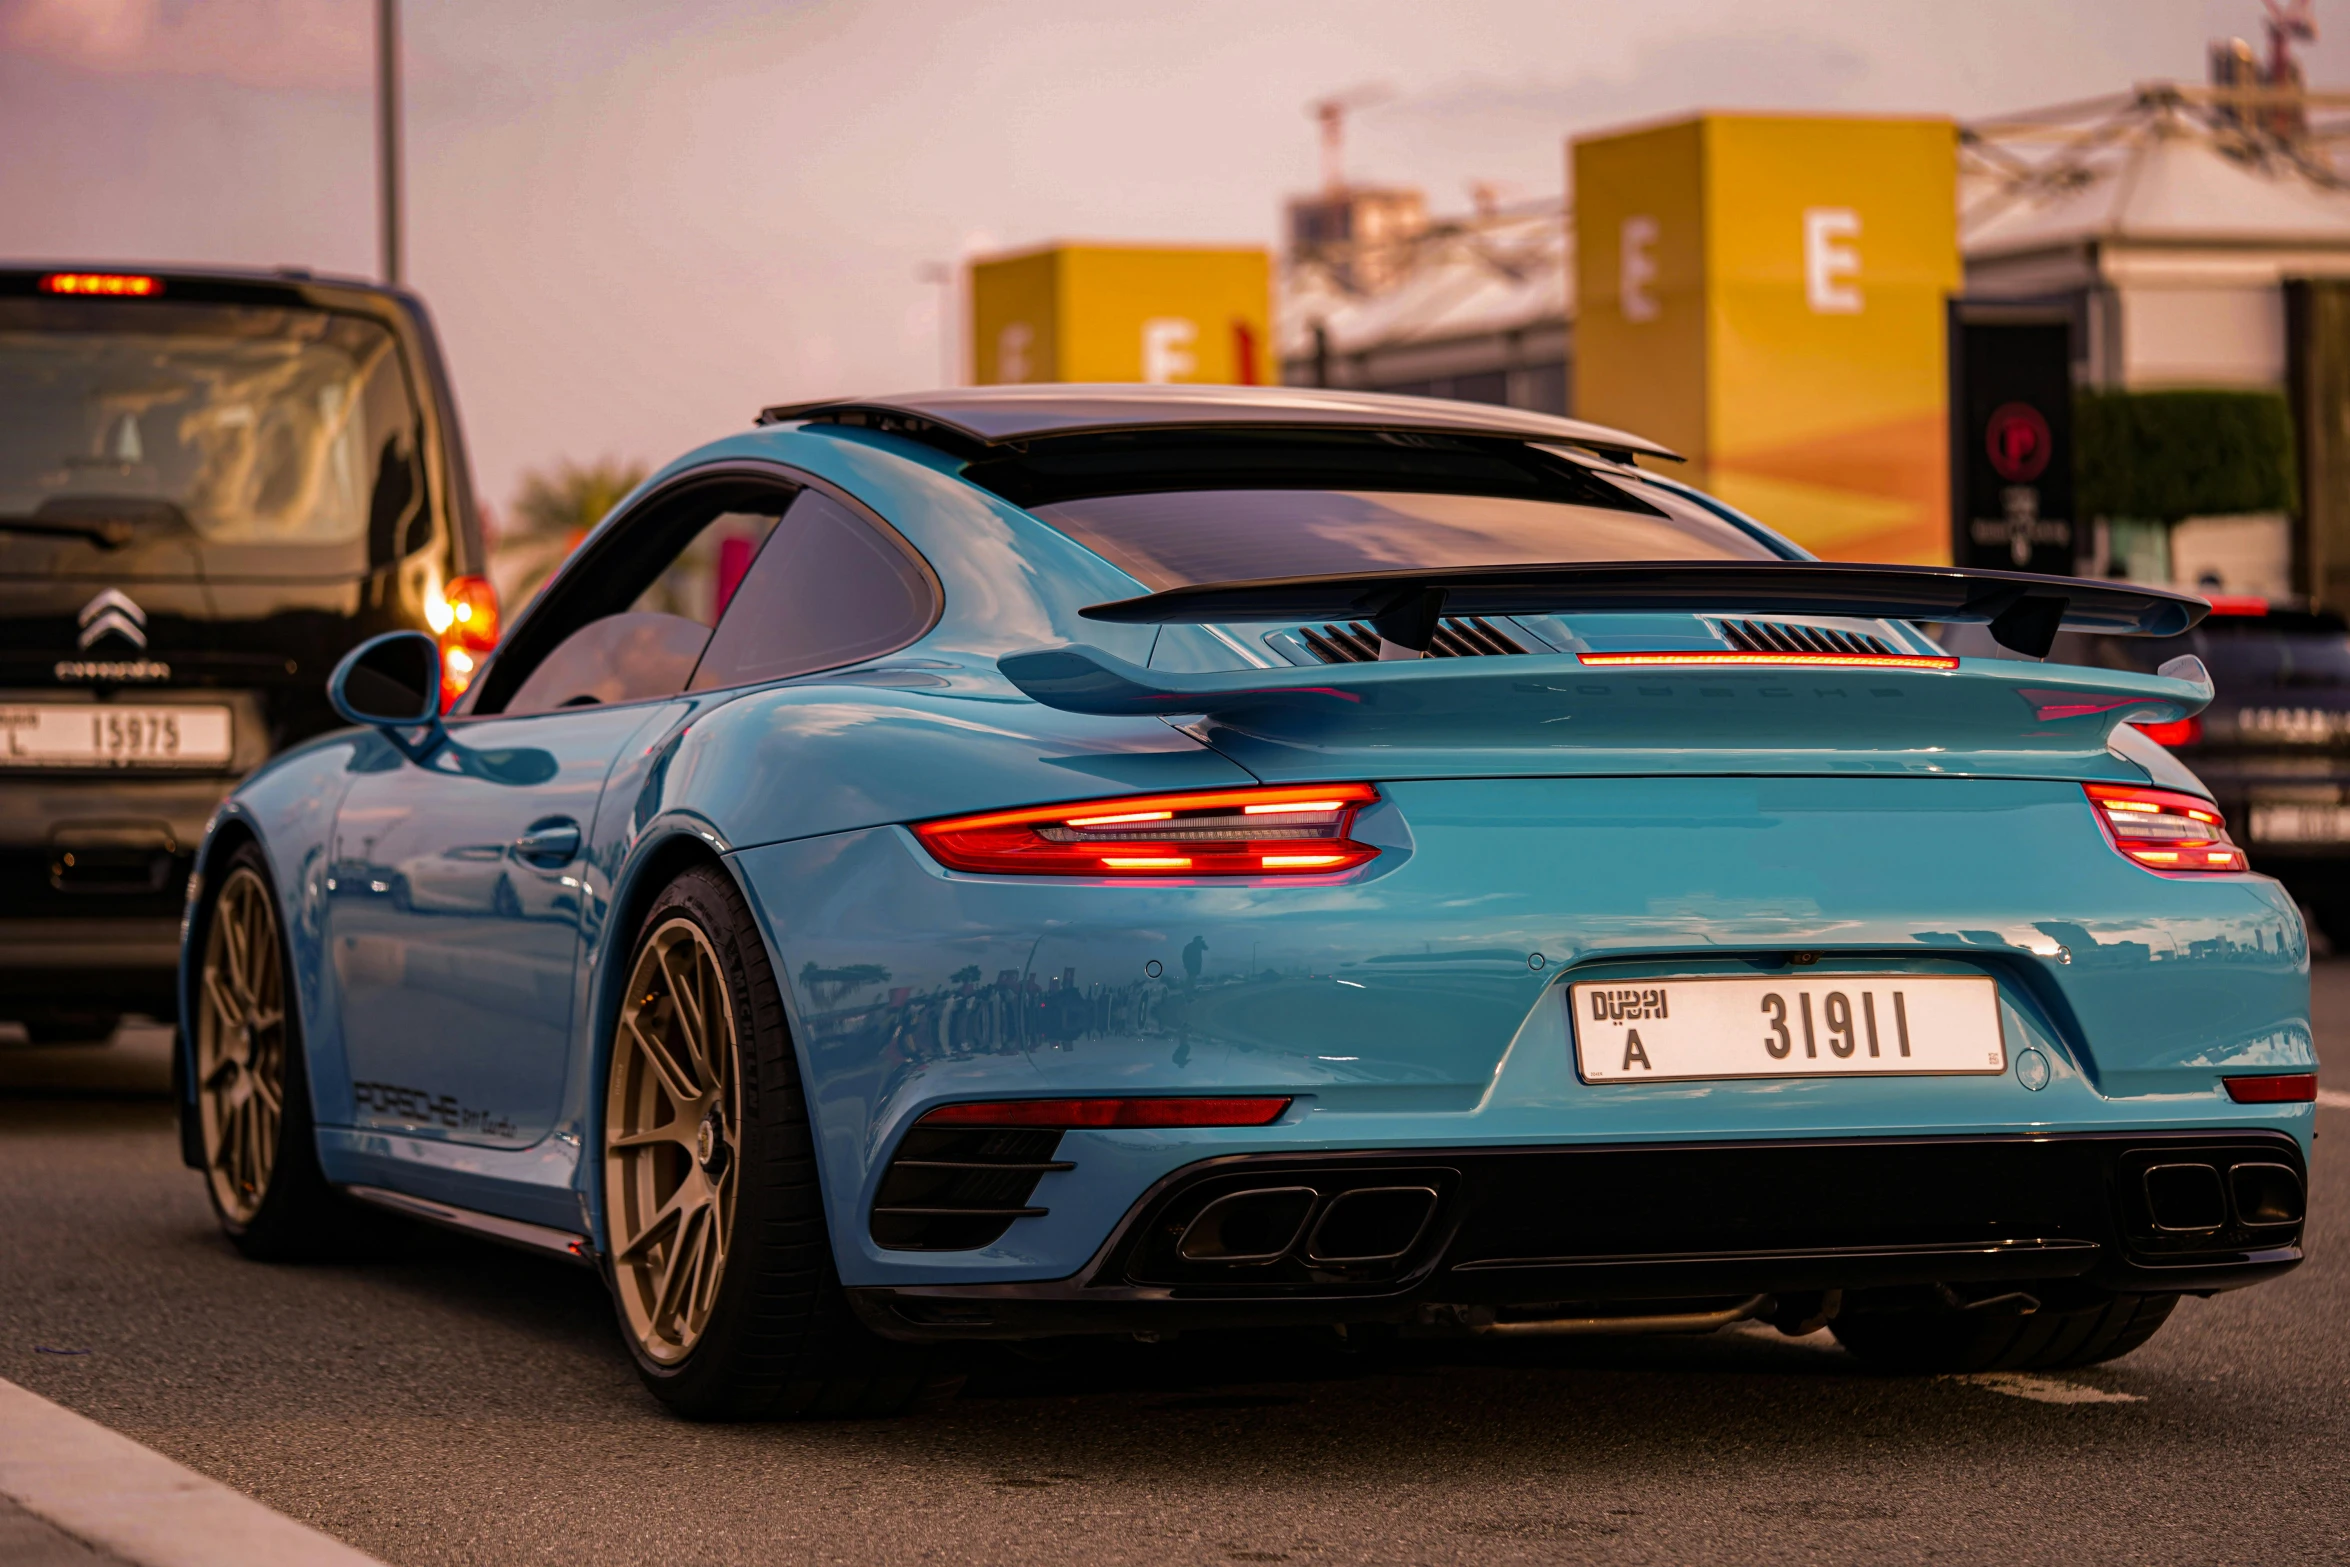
(1782, 636)
(1456, 637)
(954, 1188)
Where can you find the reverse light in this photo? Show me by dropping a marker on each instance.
(118, 285)
(2166, 831)
(1291, 831)
(2278, 1088)
(1083, 1114)
(1767, 660)
(2178, 732)
(464, 619)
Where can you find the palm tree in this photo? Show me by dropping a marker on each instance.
(551, 514)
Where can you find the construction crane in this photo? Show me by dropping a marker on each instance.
(1330, 113)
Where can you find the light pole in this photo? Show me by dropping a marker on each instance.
(387, 135)
(943, 275)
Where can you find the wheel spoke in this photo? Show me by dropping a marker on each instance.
(680, 1201)
(230, 1014)
(678, 1133)
(233, 940)
(684, 1258)
(692, 1022)
(676, 1079)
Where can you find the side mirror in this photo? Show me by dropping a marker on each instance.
(392, 683)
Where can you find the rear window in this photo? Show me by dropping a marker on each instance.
(1177, 540)
(1178, 508)
(154, 440)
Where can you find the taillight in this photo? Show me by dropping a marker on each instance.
(1298, 830)
(2166, 831)
(2178, 732)
(465, 620)
(1078, 1114)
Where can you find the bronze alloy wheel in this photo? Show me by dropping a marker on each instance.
(241, 1045)
(672, 1127)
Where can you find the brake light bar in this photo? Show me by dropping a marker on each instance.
(2166, 831)
(1294, 830)
(108, 284)
(1667, 660)
(2280, 1088)
(1089, 1114)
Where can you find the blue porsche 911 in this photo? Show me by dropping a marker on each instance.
(1033, 861)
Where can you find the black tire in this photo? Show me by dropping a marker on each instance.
(71, 1028)
(780, 1340)
(1940, 1338)
(296, 1214)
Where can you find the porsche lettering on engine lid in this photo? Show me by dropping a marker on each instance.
(1808, 1025)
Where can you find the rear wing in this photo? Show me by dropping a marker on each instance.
(1933, 707)
(2024, 610)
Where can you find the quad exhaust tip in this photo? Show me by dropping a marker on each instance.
(1368, 1224)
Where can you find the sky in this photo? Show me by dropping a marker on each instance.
(636, 224)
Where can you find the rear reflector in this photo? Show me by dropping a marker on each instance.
(2166, 831)
(1105, 1113)
(2290, 1088)
(1767, 660)
(111, 284)
(1296, 830)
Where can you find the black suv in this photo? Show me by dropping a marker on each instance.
(2274, 746)
(212, 484)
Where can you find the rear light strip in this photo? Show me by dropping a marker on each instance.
(1768, 660)
(2285, 1088)
(1094, 1114)
(1297, 830)
(2166, 831)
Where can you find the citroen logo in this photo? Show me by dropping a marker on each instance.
(113, 611)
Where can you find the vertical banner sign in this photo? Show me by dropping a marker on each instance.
(2015, 456)
(1168, 315)
(1767, 294)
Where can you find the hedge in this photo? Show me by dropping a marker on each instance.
(2167, 455)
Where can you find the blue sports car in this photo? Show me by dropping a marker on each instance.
(1030, 861)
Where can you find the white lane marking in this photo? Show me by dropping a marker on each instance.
(2333, 1099)
(2043, 1390)
(106, 1490)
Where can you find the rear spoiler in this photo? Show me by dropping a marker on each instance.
(1549, 701)
(2023, 610)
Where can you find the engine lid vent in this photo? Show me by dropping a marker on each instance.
(1456, 637)
(1786, 636)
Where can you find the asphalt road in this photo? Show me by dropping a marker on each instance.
(452, 1402)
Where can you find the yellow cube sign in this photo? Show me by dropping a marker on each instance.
(1767, 294)
(1123, 313)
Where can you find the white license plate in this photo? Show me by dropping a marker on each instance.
(113, 734)
(2299, 822)
(1799, 1025)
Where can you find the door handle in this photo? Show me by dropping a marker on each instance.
(551, 842)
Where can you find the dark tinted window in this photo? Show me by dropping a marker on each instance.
(826, 590)
(1175, 540)
(145, 440)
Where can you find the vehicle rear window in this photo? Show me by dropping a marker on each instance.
(144, 440)
(1173, 540)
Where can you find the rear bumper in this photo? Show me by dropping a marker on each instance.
(1517, 1227)
(123, 964)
